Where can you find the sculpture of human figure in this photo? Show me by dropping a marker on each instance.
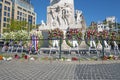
(59, 15)
(78, 16)
(53, 15)
(43, 24)
(66, 12)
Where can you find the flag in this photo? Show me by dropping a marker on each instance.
(35, 42)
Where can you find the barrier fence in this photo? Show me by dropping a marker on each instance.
(61, 46)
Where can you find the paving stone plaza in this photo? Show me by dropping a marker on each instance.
(58, 70)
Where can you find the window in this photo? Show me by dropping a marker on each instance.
(18, 17)
(5, 13)
(30, 19)
(4, 25)
(8, 14)
(5, 19)
(8, 8)
(29, 12)
(18, 12)
(24, 10)
(5, 7)
(33, 14)
(8, 25)
(19, 8)
(23, 14)
(0, 6)
(8, 19)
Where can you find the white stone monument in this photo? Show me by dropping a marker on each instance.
(60, 14)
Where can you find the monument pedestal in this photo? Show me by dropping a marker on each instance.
(83, 45)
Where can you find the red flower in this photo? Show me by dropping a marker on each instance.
(26, 57)
(16, 56)
(74, 59)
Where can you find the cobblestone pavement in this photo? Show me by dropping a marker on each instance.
(57, 70)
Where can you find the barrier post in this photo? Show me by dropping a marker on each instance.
(60, 48)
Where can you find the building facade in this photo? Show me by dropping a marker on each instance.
(5, 13)
(111, 19)
(21, 10)
(101, 27)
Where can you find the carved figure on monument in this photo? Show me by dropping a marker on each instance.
(66, 13)
(54, 1)
(78, 16)
(59, 15)
(53, 17)
(43, 23)
(79, 20)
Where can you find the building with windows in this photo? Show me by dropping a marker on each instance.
(21, 10)
(5, 13)
(101, 27)
(111, 19)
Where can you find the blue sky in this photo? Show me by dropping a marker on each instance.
(93, 10)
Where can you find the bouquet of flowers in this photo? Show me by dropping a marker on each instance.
(55, 33)
(112, 35)
(74, 34)
(91, 33)
(16, 56)
(104, 34)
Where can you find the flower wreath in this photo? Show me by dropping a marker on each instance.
(112, 37)
(91, 34)
(55, 34)
(75, 34)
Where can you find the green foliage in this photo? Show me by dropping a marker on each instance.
(22, 35)
(16, 25)
(68, 43)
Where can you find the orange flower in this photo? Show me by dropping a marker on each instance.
(1, 57)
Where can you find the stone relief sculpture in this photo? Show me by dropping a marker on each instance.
(53, 17)
(66, 13)
(60, 15)
(54, 1)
